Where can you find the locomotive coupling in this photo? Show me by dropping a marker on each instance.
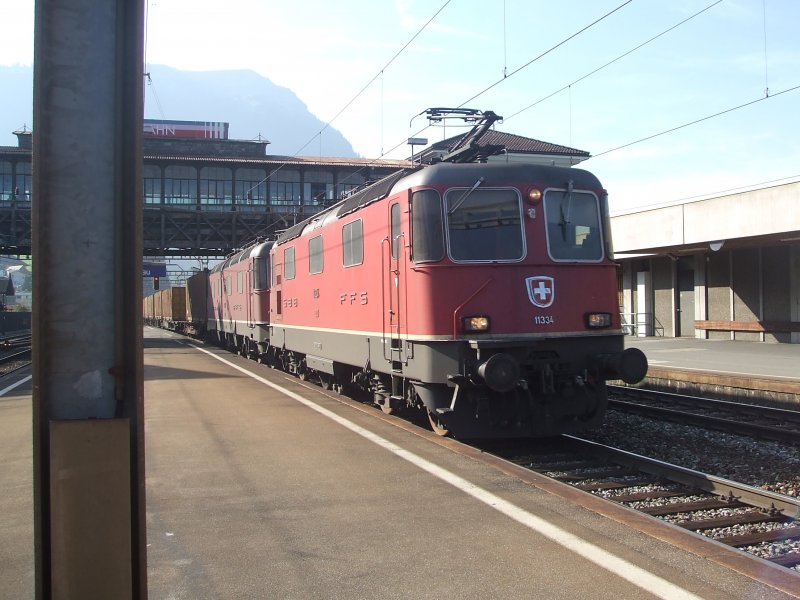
(500, 372)
(630, 365)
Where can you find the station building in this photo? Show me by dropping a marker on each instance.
(718, 267)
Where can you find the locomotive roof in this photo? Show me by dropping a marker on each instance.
(494, 174)
(259, 248)
(502, 173)
(376, 191)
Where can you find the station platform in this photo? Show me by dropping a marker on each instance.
(757, 372)
(260, 485)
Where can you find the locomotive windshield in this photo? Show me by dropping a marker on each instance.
(484, 224)
(573, 225)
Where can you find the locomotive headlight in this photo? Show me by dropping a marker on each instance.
(476, 324)
(598, 320)
(533, 196)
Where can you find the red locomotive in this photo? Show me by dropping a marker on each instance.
(483, 293)
(238, 301)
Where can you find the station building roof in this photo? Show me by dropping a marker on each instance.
(518, 149)
(762, 216)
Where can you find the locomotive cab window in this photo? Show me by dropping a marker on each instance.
(573, 225)
(427, 237)
(484, 225)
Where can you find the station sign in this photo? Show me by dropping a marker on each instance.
(154, 270)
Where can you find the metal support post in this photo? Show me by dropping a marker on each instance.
(89, 513)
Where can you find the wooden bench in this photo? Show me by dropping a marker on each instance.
(757, 326)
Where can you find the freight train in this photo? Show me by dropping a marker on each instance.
(483, 293)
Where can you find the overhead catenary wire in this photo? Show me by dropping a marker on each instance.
(700, 120)
(766, 62)
(766, 96)
(505, 76)
(380, 73)
(357, 95)
(694, 122)
(611, 62)
(546, 52)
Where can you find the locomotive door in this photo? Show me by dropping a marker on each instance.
(394, 301)
(252, 295)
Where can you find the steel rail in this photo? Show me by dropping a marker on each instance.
(789, 434)
(709, 483)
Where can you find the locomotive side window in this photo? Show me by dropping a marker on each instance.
(427, 237)
(315, 255)
(288, 263)
(573, 225)
(395, 229)
(484, 224)
(352, 244)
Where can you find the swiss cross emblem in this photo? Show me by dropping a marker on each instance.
(541, 290)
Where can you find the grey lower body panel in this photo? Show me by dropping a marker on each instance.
(424, 361)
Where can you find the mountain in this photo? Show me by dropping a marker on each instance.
(252, 104)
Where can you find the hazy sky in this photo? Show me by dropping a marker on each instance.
(327, 52)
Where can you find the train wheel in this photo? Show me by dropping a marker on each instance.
(436, 424)
(388, 409)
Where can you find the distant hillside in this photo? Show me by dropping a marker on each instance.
(252, 104)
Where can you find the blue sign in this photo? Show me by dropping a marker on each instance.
(154, 270)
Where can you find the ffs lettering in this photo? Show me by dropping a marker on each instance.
(353, 298)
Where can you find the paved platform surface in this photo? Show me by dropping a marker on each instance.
(261, 486)
(741, 359)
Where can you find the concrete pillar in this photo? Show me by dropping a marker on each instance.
(794, 288)
(644, 304)
(628, 290)
(700, 294)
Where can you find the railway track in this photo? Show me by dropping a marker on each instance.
(761, 422)
(15, 338)
(14, 361)
(15, 351)
(756, 521)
